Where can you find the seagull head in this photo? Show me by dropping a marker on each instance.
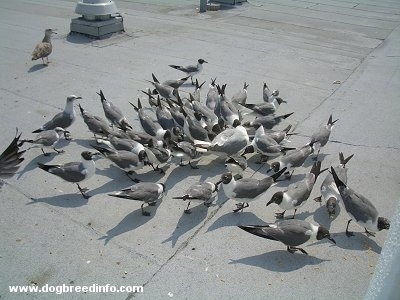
(323, 233)
(72, 98)
(201, 61)
(383, 223)
(276, 198)
(225, 178)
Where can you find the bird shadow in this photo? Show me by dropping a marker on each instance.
(131, 221)
(33, 164)
(357, 242)
(235, 219)
(187, 222)
(279, 261)
(37, 67)
(64, 200)
(77, 38)
(321, 215)
(310, 160)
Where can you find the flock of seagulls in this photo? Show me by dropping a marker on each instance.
(181, 129)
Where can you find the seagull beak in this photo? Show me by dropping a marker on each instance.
(218, 182)
(332, 240)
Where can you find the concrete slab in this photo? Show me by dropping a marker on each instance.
(51, 235)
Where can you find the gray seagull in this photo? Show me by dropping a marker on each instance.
(246, 190)
(201, 192)
(63, 119)
(328, 188)
(360, 209)
(291, 232)
(74, 172)
(191, 70)
(113, 113)
(147, 192)
(297, 193)
(48, 139)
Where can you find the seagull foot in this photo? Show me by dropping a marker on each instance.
(349, 233)
(369, 233)
(240, 207)
(187, 211)
(152, 204)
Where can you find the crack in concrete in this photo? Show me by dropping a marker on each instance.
(181, 247)
(356, 145)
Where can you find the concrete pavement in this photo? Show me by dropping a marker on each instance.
(51, 235)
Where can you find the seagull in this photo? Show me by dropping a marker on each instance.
(48, 139)
(10, 159)
(193, 129)
(196, 93)
(360, 209)
(268, 121)
(229, 142)
(63, 119)
(44, 48)
(165, 91)
(113, 113)
(96, 124)
(297, 193)
(174, 83)
(227, 111)
(246, 189)
(280, 136)
(149, 126)
(200, 192)
(184, 150)
(236, 164)
(125, 160)
(212, 95)
(269, 96)
(147, 192)
(208, 115)
(164, 116)
(291, 232)
(241, 96)
(265, 108)
(191, 70)
(157, 155)
(292, 159)
(125, 144)
(265, 145)
(74, 172)
(328, 188)
(321, 137)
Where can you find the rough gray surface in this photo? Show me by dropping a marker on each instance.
(50, 234)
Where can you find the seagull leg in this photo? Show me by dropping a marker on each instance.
(240, 207)
(316, 157)
(133, 179)
(58, 151)
(292, 250)
(44, 153)
(294, 213)
(83, 191)
(280, 215)
(144, 213)
(288, 175)
(369, 233)
(349, 233)
(187, 210)
(318, 199)
(181, 164)
(193, 167)
(191, 78)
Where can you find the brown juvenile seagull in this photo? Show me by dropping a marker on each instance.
(44, 48)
